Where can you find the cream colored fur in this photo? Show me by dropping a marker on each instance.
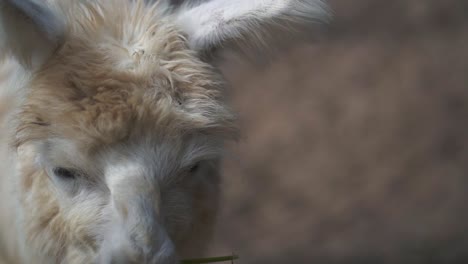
(116, 95)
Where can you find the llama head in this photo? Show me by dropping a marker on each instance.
(121, 131)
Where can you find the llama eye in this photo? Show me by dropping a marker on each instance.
(65, 173)
(194, 168)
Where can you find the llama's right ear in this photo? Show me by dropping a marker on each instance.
(29, 30)
(251, 23)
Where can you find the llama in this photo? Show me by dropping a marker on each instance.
(112, 124)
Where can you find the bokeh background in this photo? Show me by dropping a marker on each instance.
(354, 146)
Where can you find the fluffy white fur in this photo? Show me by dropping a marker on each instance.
(115, 92)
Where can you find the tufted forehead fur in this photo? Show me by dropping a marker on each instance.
(122, 71)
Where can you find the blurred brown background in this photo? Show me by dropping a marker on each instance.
(355, 147)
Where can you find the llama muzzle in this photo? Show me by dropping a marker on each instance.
(136, 234)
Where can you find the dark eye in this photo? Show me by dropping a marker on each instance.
(194, 168)
(65, 173)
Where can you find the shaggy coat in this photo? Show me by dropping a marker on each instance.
(112, 125)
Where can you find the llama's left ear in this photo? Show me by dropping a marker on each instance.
(29, 30)
(213, 23)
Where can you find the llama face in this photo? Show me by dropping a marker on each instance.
(153, 195)
(128, 146)
(121, 130)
